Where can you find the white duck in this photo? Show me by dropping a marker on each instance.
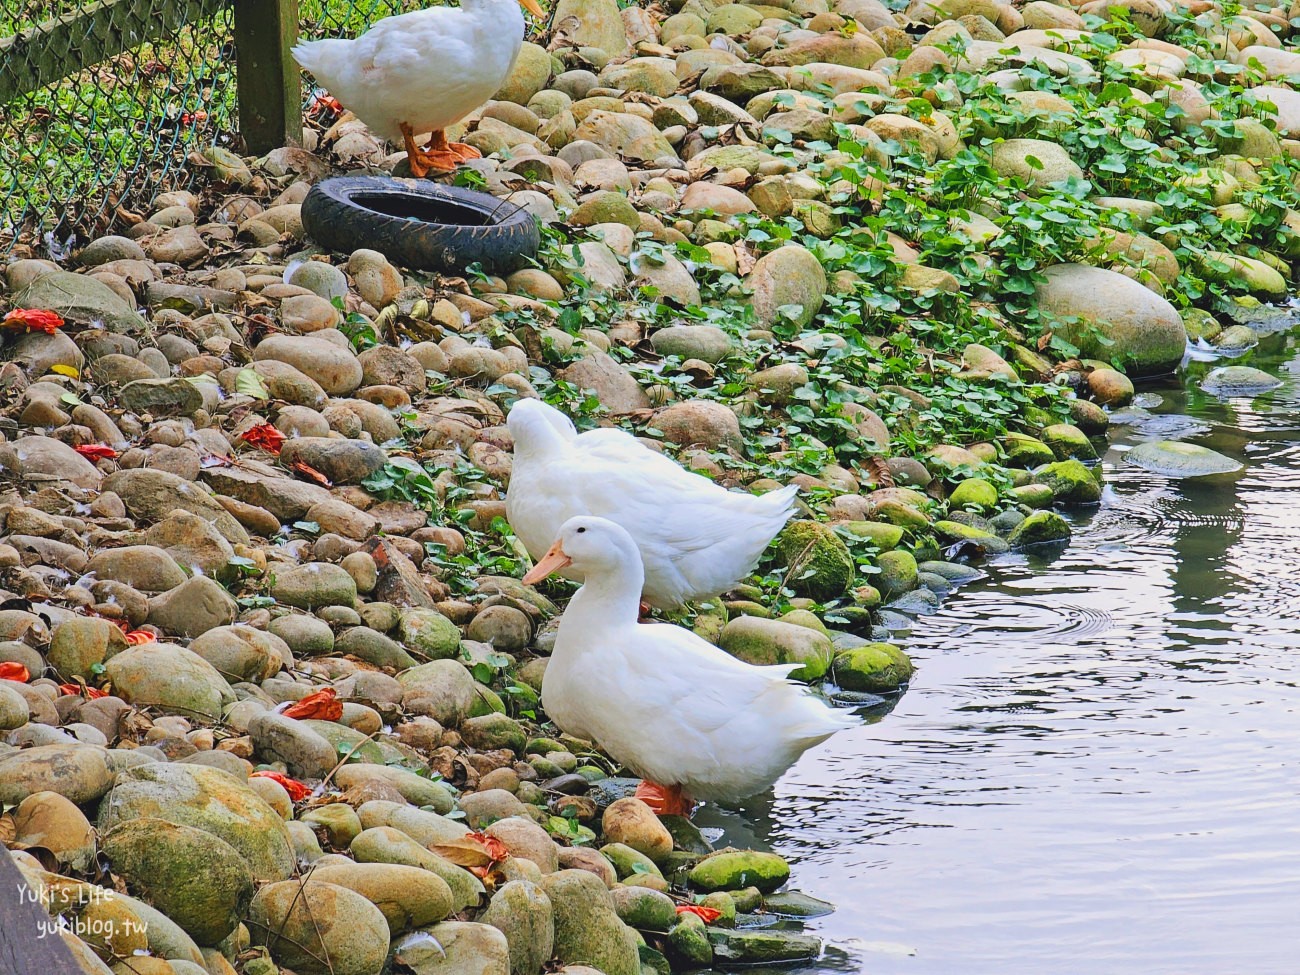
(423, 71)
(694, 722)
(696, 538)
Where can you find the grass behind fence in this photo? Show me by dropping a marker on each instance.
(114, 136)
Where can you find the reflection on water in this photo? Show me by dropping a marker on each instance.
(1098, 767)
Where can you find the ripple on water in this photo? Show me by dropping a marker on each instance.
(1142, 425)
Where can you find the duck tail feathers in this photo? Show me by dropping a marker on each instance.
(311, 55)
(828, 722)
(779, 503)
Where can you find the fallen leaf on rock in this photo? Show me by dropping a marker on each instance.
(309, 472)
(474, 851)
(96, 451)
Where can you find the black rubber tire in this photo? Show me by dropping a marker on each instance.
(402, 219)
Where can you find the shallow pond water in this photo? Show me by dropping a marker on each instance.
(1097, 768)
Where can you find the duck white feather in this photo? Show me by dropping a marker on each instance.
(660, 700)
(424, 70)
(696, 539)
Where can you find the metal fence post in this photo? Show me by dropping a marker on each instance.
(270, 101)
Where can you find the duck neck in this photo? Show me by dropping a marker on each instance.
(610, 595)
(541, 440)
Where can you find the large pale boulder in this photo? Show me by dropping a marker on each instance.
(1144, 329)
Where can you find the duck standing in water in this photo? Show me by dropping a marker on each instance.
(696, 538)
(692, 721)
(423, 71)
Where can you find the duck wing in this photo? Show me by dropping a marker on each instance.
(676, 709)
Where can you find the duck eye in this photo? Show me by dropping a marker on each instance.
(581, 530)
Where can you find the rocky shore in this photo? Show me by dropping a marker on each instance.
(271, 695)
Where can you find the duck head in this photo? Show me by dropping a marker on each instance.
(595, 547)
(534, 425)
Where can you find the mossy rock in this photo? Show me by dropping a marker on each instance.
(819, 563)
(346, 741)
(429, 634)
(627, 861)
(643, 908)
(974, 492)
(897, 573)
(1089, 417)
(1033, 495)
(1071, 482)
(900, 513)
(408, 896)
(494, 730)
(881, 534)
(79, 644)
(688, 944)
(207, 799)
(759, 641)
(1176, 459)
(767, 946)
(805, 618)
(1068, 441)
(793, 903)
(734, 869)
(877, 668)
(587, 927)
(951, 531)
(1040, 528)
(317, 928)
(196, 878)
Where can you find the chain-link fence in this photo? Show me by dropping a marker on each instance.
(102, 100)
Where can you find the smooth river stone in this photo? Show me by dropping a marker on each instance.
(1174, 459)
(1239, 381)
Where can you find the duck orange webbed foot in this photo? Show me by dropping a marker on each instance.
(438, 156)
(463, 152)
(665, 800)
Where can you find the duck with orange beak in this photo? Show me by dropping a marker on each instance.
(693, 722)
(422, 72)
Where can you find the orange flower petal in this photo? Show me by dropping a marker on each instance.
(324, 705)
(297, 791)
(707, 914)
(34, 320)
(15, 672)
(92, 693)
(137, 637)
(96, 451)
(265, 436)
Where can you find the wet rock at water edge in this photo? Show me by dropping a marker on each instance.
(735, 869)
(1039, 529)
(756, 947)
(1173, 458)
(1239, 381)
(877, 668)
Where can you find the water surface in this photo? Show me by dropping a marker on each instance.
(1097, 768)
